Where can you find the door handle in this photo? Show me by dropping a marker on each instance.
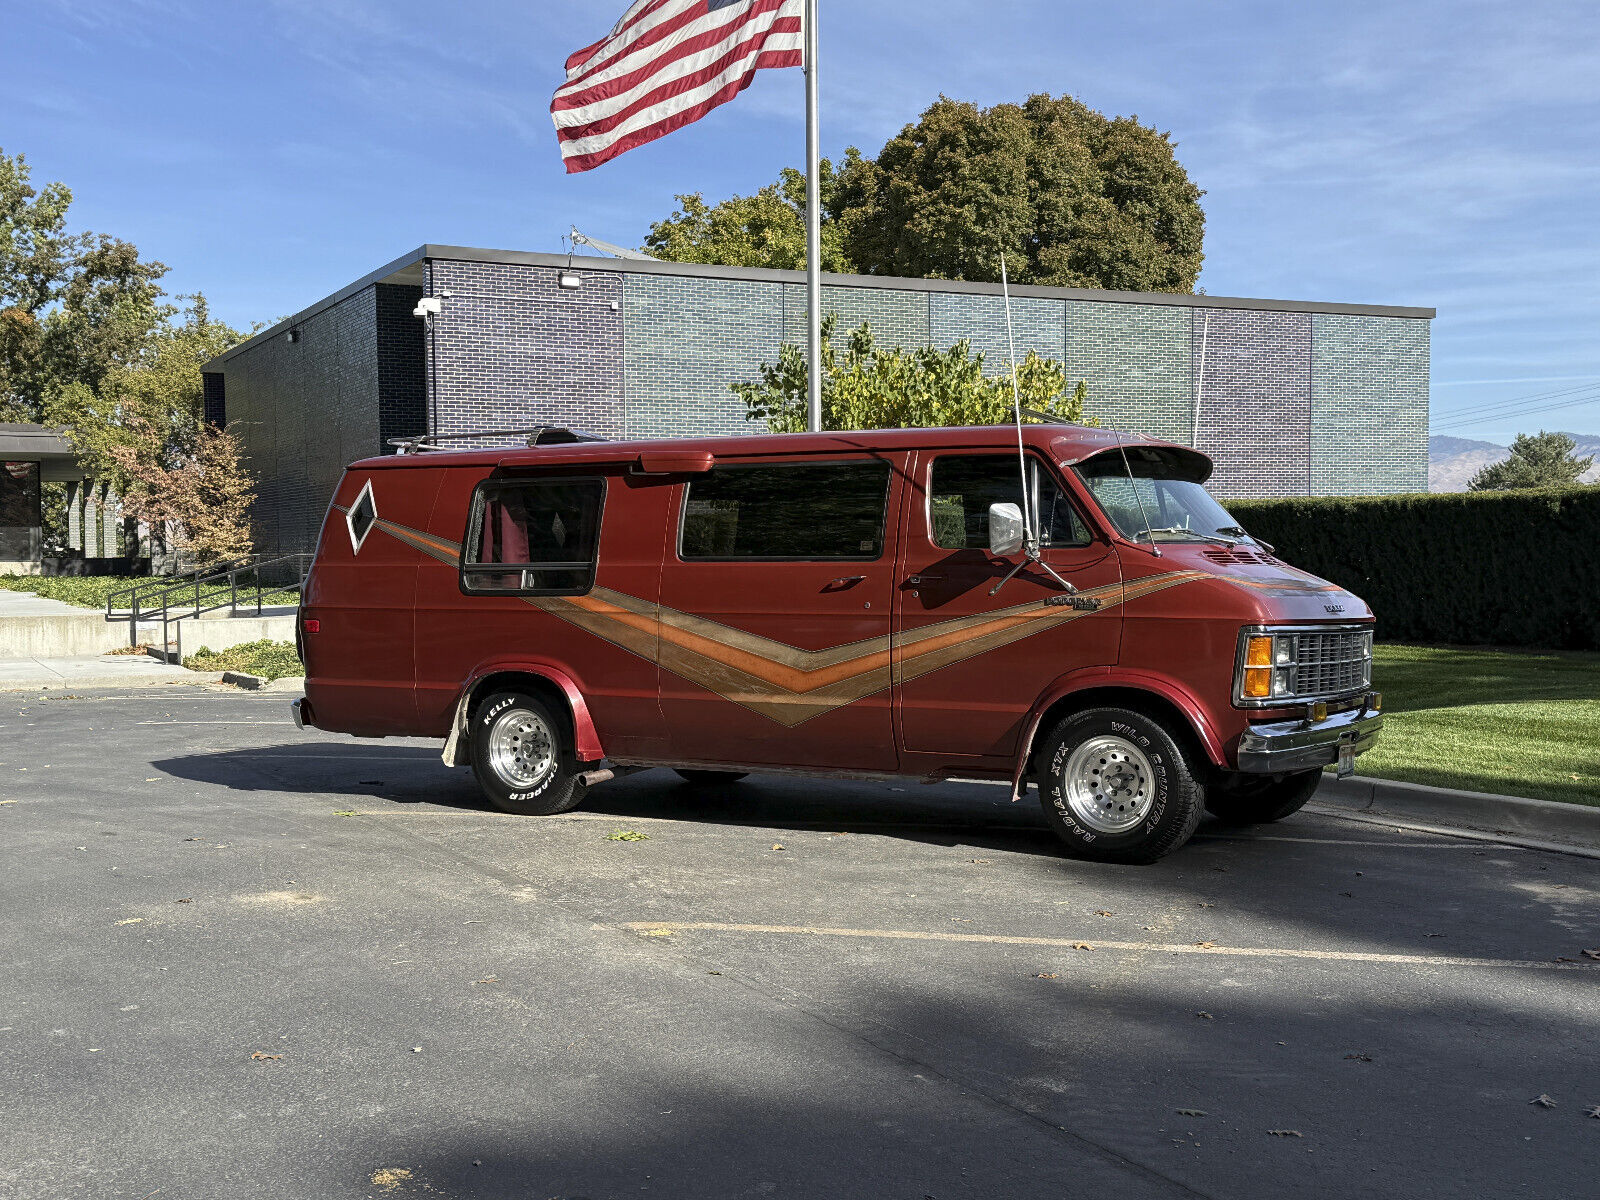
(924, 579)
(844, 581)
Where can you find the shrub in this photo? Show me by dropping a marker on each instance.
(1477, 568)
(267, 658)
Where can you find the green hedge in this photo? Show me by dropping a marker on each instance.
(1474, 568)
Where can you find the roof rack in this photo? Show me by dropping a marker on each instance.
(537, 435)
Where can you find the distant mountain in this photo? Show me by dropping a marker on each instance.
(1453, 461)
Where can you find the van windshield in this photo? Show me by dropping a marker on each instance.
(1174, 508)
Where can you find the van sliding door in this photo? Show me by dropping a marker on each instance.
(776, 606)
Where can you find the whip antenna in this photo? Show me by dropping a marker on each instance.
(1029, 524)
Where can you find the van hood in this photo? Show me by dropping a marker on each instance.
(1272, 592)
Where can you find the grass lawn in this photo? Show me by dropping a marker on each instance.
(267, 658)
(1521, 723)
(90, 591)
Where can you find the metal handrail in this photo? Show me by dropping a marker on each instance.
(135, 592)
(174, 603)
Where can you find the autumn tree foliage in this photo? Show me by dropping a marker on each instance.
(200, 491)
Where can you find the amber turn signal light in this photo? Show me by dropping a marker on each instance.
(1258, 682)
(1258, 653)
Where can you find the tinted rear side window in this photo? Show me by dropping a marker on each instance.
(787, 511)
(533, 537)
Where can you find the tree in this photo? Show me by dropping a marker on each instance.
(140, 429)
(764, 230)
(871, 388)
(1545, 460)
(1073, 198)
(203, 493)
(73, 306)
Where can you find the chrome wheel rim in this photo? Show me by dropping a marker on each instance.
(1109, 784)
(522, 750)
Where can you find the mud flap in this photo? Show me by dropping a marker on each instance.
(454, 753)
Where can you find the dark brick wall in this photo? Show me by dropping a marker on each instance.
(303, 410)
(511, 348)
(402, 364)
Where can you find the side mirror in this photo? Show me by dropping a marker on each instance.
(1005, 529)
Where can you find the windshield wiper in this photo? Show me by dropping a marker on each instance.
(1193, 533)
(1267, 546)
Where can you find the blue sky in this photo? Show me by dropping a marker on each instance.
(1440, 154)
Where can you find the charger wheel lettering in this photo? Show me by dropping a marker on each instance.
(522, 756)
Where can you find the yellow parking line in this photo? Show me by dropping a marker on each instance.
(911, 935)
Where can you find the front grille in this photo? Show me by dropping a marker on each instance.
(1332, 663)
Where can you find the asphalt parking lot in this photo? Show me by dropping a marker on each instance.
(242, 960)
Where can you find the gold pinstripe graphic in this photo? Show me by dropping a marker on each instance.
(782, 682)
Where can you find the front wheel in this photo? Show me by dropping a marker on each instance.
(1258, 799)
(523, 757)
(1118, 786)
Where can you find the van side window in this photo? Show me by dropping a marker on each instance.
(806, 511)
(963, 487)
(533, 536)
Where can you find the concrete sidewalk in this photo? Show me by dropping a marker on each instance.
(26, 604)
(94, 670)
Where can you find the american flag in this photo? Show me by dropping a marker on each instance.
(667, 63)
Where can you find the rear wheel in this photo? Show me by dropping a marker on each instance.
(522, 756)
(1258, 799)
(1118, 786)
(695, 775)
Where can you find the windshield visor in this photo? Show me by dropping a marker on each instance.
(1152, 496)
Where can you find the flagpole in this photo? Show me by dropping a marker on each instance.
(813, 229)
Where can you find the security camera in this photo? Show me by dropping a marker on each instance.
(428, 306)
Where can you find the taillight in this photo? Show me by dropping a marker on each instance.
(312, 625)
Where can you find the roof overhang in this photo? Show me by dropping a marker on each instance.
(41, 444)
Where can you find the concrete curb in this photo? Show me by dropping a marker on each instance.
(259, 683)
(78, 683)
(1548, 821)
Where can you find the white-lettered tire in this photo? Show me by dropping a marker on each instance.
(1118, 786)
(1260, 799)
(709, 778)
(522, 756)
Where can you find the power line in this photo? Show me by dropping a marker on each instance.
(1593, 397)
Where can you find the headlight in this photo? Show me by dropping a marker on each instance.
(1293, 665)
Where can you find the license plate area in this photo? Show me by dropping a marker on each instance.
(1347, 760)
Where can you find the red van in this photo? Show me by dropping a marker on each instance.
(882, 603)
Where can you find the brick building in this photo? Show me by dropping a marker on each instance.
(1290, 397)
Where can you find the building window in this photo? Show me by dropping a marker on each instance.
(533, 537)
(963, 487)
(19, 512)
(807, 511)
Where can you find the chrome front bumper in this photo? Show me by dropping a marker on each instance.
(1278, 746)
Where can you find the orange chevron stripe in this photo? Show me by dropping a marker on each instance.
(771, 677)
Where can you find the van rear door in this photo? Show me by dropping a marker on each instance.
(777, 593)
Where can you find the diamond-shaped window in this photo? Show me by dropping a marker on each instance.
(363, 515)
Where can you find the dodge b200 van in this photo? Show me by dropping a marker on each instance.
(1078, 614)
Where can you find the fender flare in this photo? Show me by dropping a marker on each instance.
(585, 738)
(1168, 689)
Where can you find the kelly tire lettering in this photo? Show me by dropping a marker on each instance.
(556, 792)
